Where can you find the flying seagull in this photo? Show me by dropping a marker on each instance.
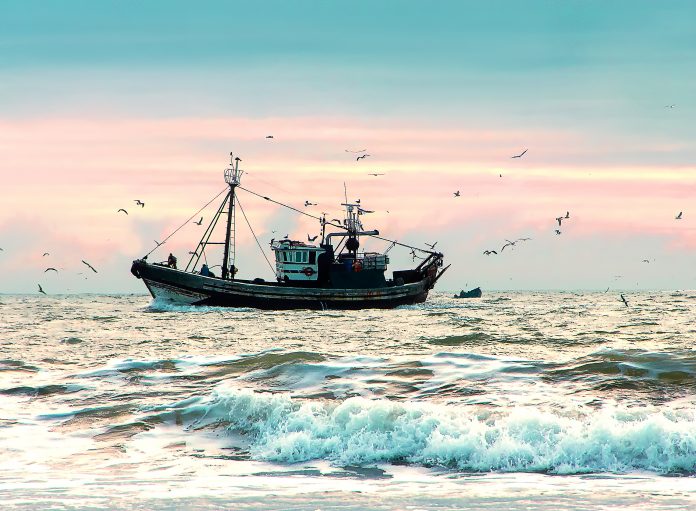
(623, 299)
(523, 239)
(361, 157)
(432, 247)
(50, 269)
(670, 106)
(567, 214)
(457, 194)
(520, 155)
(374, 174)
(158, 243)
(557, 231)
(508, 244)
(679, 216)
(645, 261)
(307, 203)
(41, 289)
(126, 212)
(200, 221)
(489, 252)
(312, 238)
(140, 203)
(45, 254)
(269, 136)
(355, 152)
(559, 219)
(89, 266)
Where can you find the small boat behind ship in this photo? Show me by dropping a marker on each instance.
(334, 274)
(472, 293)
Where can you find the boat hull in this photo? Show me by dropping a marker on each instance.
(179, 287)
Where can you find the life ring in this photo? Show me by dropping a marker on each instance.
(357, 266)
(308, 271)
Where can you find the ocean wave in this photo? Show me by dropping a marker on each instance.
(670, 368)
(360, 431)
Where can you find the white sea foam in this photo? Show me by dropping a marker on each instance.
(362, 431)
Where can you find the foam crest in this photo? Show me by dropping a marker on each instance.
(362, 431)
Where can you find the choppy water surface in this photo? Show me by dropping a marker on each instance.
(513, 401)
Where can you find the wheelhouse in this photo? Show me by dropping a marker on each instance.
(296, 261)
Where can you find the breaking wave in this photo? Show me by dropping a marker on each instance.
(360, 431)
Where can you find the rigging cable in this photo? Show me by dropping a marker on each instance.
(186, 222)
(336, 225)
(254, 234)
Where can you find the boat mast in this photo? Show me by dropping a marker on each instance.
(232, 177)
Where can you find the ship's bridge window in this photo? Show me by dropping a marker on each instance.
(285, 257)
(312, 257)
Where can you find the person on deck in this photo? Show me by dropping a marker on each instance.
(171, 261)
(205, 271)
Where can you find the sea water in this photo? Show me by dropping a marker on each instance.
(512, 401)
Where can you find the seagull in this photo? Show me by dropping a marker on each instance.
(559, 219)
(432, 247)
(89, 266)
(567, 214)
(193, 253)
(140, 203)
(126, 212)
(158, 243)
(361, 157)
(520, 155)
(200, 221)
(645, 261)
(489, 252)
(523, 239)
(557, 231)
(45, 254)
(50, 269)
(679, 216)
(41, 289)
(374, 174)
(607, 290)
(508, 244)
(269, 136)
(623, 299)
(457, 194)
(670, 106)
(307, 203)
(355, 152)
(312, 238)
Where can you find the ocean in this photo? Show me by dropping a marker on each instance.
(517, 400)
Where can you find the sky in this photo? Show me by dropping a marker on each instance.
(102, 103)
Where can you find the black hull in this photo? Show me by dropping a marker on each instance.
(176, 286)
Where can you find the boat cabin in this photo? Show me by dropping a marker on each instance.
(296, 261)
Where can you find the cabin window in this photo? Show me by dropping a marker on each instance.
(312, 257)
(285, 257)
(298, 257)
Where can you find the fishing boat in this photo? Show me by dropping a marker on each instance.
(472, 293)
(333, 274)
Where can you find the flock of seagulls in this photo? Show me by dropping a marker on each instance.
(362, 155)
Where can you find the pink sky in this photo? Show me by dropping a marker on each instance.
(64, 179)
